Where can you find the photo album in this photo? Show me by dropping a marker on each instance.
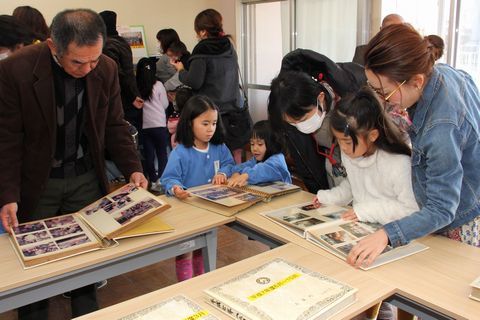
(227, 200)
(281, 290)
(325, 228)
(176, 308)
(127, 212)
(475, 293)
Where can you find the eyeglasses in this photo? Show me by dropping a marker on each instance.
(382, 95)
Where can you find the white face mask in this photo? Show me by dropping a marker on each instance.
(313, 123)
(4, 55)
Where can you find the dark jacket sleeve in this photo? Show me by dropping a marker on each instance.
(118, 141)
(11, 140)
(120, 52)
(195, 76)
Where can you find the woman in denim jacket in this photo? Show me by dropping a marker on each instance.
(444, 105)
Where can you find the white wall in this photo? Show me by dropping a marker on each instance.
(152, 14)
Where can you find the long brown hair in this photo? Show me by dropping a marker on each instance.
(399, 52)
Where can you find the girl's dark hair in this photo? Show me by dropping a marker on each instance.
(211, 21)
(166, 37)
(437, 45)
(146, 69)
(194, 107)
(399, 52)
(262, 130)
(361, 112)
(292, 93)
(182, 95)
(178, 48)
(34, 20)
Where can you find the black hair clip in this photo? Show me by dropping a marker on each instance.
(339, 170)
(346, 131)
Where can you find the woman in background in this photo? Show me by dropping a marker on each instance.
(33, 20)
(214, 72)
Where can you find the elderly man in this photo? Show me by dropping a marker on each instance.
(60, 111)
(389, 19)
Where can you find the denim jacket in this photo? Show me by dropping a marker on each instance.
(445, 157)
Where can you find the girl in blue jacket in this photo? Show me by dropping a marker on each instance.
(267, 164)
(199, 155)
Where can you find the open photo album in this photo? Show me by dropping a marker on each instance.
(127, 212)
(324, 227)
(281, 290)
(176, 308)
(475, 293)
(227, 200)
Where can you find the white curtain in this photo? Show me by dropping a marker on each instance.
(328, 27)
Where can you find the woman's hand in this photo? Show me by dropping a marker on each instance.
(238, 180)
(180, 193)
(349, 215)
(219, 178)
(368, 249)
(177, 64)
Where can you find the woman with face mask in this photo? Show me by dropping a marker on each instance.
(298, 109)
(306, 90)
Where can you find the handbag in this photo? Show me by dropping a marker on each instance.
(238, 123)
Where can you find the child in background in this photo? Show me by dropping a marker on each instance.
(199, 155)
(267, 164)
(154, 124)
(177, 52)
(178, 98)
(377, 161)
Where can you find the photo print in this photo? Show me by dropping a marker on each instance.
(60, 221)
(217, 193)
(104, 202)
(307, 223)
(345, 249)
(335, 215)
(29, 227)
(32, 237)
(309, 207)
(136, 210)
(65, 231)
(248, 197)
(356, 229)
(72, 241)
(337, 237)
(39, 249)
(294, 216)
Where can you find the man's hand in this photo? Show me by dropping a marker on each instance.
(139, 180)
(8, 214)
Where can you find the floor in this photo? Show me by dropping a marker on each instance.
(232, 247)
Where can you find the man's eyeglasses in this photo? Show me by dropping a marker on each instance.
(382, 95)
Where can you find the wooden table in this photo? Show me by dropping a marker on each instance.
(194, 229)
(433, 284)
(370, 291)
